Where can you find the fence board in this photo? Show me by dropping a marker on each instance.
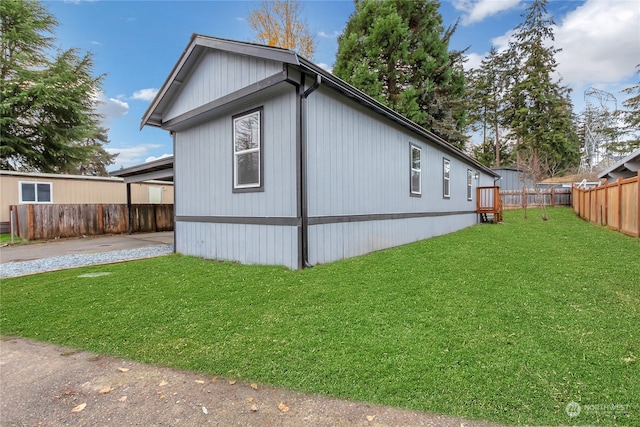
(527, 197)
(45, 221)
(616, 205)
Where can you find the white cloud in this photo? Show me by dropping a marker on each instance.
(131, 156)
(162, 156)
(110, 108)
(600, 42)
(145, 94)
(325, 66)
(333, 35)
(478, 10)
(473, 61)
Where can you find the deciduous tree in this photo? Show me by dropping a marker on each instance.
(280, 23)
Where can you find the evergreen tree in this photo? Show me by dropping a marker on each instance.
(540, 111)
(397, 52)
(629, 139)
(47, 120)
(486, 99)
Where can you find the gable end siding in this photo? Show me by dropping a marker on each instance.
(218, 74)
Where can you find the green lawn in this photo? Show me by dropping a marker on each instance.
(6, 239)
(506, 322)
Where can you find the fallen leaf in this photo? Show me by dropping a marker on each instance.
(250, 399)
(254, 386)
(254, 408)
(204, 410)
(200, 381)
(105, 390)
(163, 397)
(122, 399)
(232, 382)
(629, 359)
(79, 408)
(371, 418)
(283, 407)
(214, 379)
(163, 383)
(123, 369)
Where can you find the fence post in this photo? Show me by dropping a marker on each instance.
(606, 204)
(31, 226)
(638, 202)
(619, 203)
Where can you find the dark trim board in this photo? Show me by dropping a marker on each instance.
(315, 220)
(319, 220)
(250, 220)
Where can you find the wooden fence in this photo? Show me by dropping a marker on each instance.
(527, 197)
(35, 222)
(616, 205)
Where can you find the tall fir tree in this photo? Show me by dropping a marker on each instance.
(629, 140)
(47, 106)
(486, 91)
(398, 53)
(540, 112)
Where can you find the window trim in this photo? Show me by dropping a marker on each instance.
(251, 187)
(36, 201)
(469, 185)
(412, 193)
(446, 178)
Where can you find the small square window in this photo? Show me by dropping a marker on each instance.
(446, 178)
(416, 171)
(247, 151)
(35, 192)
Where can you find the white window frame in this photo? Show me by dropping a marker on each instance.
(446, 178)
(35, 187)
(469, 184)
(412, 170)
(256, 186)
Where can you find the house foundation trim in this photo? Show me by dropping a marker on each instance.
(320, 220)
(315, 220)
(252, 220)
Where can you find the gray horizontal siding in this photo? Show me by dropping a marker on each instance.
(203, 163)
(245, 243)
(332, 242)
(358, 163)
(220, 73)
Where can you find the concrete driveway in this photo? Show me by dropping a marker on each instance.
(86, 245)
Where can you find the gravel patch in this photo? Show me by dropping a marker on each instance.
(13, 269)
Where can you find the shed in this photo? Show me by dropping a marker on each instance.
(277, 161)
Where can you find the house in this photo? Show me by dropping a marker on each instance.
(277, 161)
(628, 167)
(18, 188)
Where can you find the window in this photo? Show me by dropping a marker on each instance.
(469, 184)
(416, 171)
(35, 192)
(446, 178)
(247, 151)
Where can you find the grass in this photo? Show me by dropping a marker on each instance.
(507, 323)
(5, 239)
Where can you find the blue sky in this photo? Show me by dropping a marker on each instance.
(137, 43)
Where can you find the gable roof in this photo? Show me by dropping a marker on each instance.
(626, 168)
(199, 44)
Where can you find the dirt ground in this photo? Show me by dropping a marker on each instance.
(46, 385)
